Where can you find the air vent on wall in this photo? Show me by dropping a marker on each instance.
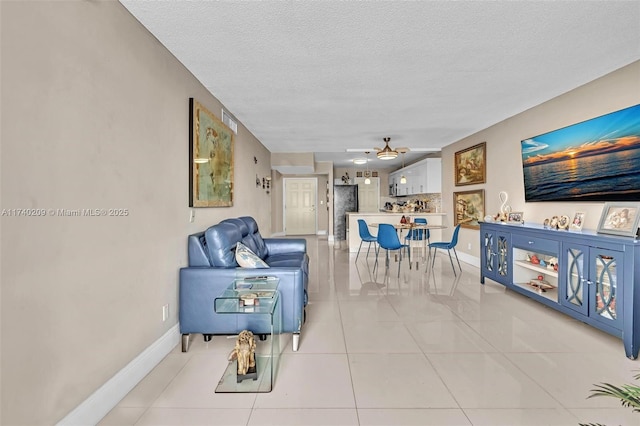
(230, 121)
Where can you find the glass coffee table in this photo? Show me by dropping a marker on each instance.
(256, 303)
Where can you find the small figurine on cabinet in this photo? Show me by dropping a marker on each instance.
(245, 353)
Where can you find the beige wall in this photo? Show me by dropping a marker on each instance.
(94, 115)
(383, 174)
(612, 92)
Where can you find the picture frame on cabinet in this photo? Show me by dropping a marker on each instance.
(578, 222)
(563, 222)
(620, 219)
(469, 208)
(515, 217)
(470, 165)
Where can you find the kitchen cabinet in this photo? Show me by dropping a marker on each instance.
(433, 176)
(423, 177)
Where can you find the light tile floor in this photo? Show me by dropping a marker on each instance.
(383, 350)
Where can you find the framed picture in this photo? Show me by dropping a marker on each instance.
(620, 219)
(211, 159)
(515, 217)
(469, 208)
(470, 165)
(577, 222)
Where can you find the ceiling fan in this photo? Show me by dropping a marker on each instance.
(388, 153)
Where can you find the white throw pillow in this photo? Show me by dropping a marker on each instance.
(248, 259)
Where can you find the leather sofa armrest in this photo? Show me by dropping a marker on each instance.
(285, 245)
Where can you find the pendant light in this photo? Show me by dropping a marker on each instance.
(367, 181)
(403, 179)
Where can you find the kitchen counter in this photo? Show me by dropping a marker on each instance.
(353, 236)
(405, 213)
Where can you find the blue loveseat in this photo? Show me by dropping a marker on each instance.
(212, 267)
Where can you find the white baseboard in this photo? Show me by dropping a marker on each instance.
(322, 232)
(103, 400)
(467, 258)
(464, 257)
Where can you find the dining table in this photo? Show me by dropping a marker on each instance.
(413, 226)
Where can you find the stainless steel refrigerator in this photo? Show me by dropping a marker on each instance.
(345, 199)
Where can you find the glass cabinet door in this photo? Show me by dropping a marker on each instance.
(503, 256)
(489, 253)
(605, 267)
(574, 284)
(494, 256)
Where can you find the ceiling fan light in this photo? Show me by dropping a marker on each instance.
(387, 154)
(359, 161)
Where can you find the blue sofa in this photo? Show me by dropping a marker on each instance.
(212, 267)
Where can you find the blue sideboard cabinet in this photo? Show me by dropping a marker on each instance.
(594, 278)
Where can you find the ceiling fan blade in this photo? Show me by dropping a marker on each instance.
(425, 149)
(399, 150)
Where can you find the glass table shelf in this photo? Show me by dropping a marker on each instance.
(259, 299)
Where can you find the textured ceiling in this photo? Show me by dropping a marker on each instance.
(326, 76)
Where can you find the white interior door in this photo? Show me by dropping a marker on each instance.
(368, 195)
(300, 206)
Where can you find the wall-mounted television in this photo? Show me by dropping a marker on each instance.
(595, 160)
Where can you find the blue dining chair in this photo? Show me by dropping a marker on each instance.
(388, 240)
(418, 234)
(448, 246)
(365, 236)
